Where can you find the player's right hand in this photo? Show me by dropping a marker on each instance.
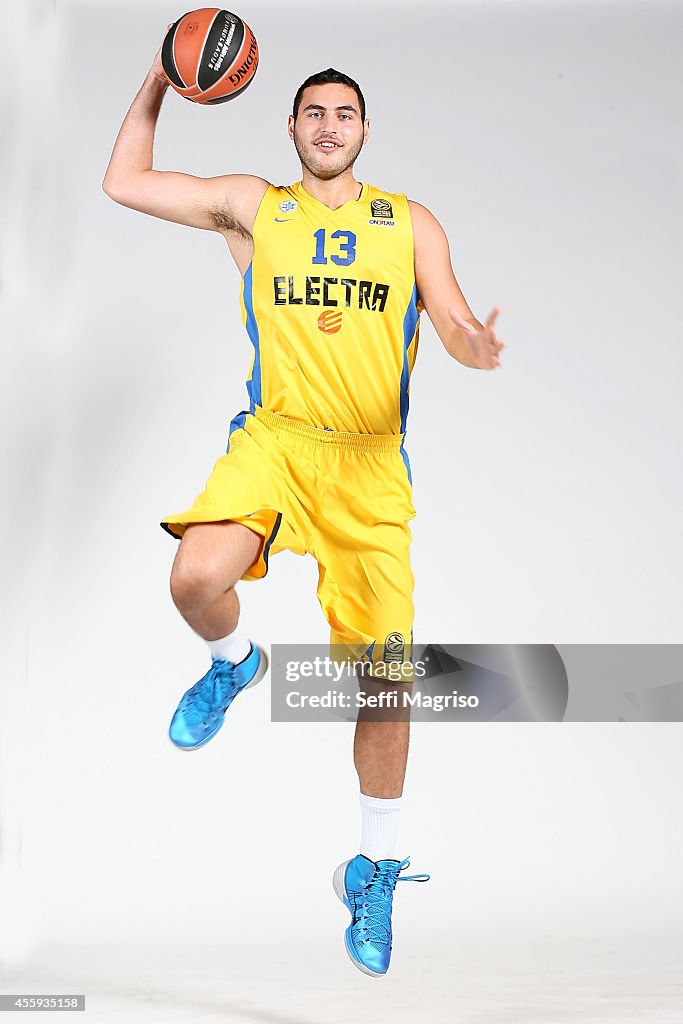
(157, 68)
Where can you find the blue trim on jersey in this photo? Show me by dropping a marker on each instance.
(253, 385)
(406, 460)
(410, 321)
(235, 423)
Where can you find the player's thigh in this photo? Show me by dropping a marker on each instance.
(368, 592)
(214, 555)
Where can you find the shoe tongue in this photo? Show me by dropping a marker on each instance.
(369, 867)
(389, 871)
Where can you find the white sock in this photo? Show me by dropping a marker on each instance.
(233, 647)
(379, 825)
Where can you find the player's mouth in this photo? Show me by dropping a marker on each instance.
(327, 145)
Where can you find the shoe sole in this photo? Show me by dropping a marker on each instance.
(261, 671)
(340, 890)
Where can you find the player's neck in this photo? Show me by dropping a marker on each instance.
(333, 193)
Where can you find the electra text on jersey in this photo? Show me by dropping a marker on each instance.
(321, 291)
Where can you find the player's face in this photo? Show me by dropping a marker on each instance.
(328, 132)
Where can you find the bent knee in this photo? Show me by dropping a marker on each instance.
(191, 582)
(211, 559)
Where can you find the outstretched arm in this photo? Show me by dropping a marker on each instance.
(224, 203)
(471, 343)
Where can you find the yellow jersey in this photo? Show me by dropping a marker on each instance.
(330, 304)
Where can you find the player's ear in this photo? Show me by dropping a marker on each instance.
(290, 126)
(366, 129)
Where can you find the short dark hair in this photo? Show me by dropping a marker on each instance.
(325, 78)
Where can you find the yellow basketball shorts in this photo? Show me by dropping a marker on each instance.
(345, 498)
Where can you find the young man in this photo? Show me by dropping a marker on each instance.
(335, 275)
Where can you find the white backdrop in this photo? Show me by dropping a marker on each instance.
(548, 494)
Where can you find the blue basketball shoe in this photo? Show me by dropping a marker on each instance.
(201, 711)
(366, 888)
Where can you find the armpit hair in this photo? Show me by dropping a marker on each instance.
(224, 220)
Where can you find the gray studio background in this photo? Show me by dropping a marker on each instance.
(544, 137)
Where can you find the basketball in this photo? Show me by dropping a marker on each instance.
(209, 55)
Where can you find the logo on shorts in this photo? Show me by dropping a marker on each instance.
(381, 209)
(288, 206)
(394, 647)
(330, 321)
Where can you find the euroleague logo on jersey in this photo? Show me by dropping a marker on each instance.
(381, 213)
(330, 321)
(394, 647)
(381, 208)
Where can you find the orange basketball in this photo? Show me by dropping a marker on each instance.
(209, 55)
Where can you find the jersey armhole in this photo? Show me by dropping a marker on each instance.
(257, 216)
(411, 247)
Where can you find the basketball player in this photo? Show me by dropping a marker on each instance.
(335, 274)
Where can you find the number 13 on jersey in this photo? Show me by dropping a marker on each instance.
(348, 247)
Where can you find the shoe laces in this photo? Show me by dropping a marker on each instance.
(212, 689)
(375, 901)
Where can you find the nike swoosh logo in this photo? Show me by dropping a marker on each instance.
(282, 220)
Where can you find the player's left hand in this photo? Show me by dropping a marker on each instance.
(483, 344)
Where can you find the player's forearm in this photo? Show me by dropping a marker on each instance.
(133, 151)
